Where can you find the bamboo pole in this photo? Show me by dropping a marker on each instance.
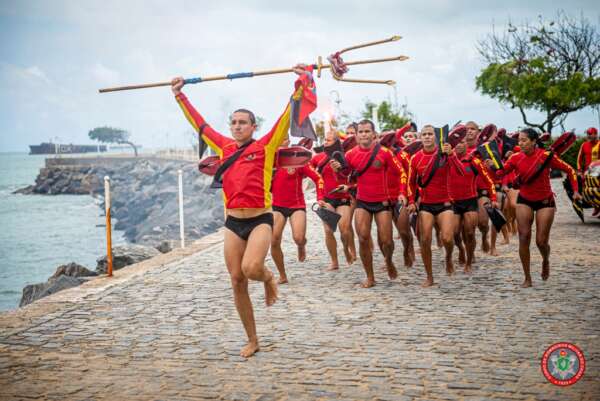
(109, 256)
(256, 74)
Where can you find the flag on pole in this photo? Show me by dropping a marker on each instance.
(303, 102)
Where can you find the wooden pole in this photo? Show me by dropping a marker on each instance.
(252, 74)
(109, 256)
(181, 222)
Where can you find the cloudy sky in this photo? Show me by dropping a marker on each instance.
(55, 55)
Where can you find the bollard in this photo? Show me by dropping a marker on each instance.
(181, 235)
(109, 256)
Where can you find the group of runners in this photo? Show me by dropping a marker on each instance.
(436, 190)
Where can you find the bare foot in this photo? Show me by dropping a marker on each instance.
(449, 268)
(333, 266)
(249, 349)
(545, 270)
(526, 283)
(270, 291)
(407, 261)
(367, 283)
(392, 272)
(350, 257)
(468, 269)
(506, 241)
(485, 246)
(301, 253)
(282, 280)
(494, 252)
(427, 283)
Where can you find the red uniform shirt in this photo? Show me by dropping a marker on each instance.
(247, 183)
(437, 189)
(331, 179)
(463, 186)
(524, 165)
(392, 177)
(287, 186)
(372, 185)
(588, 152)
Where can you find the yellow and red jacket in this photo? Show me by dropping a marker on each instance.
(247, 184)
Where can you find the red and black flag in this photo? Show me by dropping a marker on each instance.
(303, 102)
(441, 136)
(563, 143)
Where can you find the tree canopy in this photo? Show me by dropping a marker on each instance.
(112, 135)
(552, 67)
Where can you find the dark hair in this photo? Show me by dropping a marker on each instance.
(365, 121)
(250, 114)
(532, 134)
(353, 125)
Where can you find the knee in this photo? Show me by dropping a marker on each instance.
(425, 239)
(345, 227)
(541, 242)
(524, 236)
(252, 270)
(447, 238)
(364, 238)
(238, 281)
(299, 239)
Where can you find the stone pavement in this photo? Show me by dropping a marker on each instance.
(171, 332)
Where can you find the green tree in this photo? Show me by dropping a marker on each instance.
(388, 117)
(551, 67)
(112, 135)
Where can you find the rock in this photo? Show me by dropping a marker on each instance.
(34, 292)
(164, 247)
(73, 270)
(125, 255)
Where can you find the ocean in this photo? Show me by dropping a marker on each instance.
(41, 232)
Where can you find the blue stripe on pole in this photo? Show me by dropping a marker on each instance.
(192, 80)
(240, 75)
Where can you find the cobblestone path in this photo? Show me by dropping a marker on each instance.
(172, 333)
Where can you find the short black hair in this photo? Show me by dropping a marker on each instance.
(365, 121)
(250, 114)
(353, 125)
(531, 133)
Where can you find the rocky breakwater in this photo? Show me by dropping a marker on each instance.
(144, 196)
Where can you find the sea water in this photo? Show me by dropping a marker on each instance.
(40, 232)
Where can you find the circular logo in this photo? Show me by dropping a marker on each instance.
(377, 164)
(563, 364)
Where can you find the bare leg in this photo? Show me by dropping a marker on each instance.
(253, 262)
(276, 251)
(298, 224)
(524, 221)
(385, 229)
(543, 223)
(494, 235)
(362, 221)
(347, 233)
(425, 223)
(458, 239)
(483, 224)
(445, 221)
(469, 225)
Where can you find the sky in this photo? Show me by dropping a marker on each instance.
(55, 55)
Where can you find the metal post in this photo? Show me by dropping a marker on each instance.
(375, 119)
(109, 256)
(181, 235)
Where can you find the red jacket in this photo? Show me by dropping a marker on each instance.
(524, 165)
(463, 186)
(287, 186)
(372, 185)
(437, 189)
(247, 183)
(588, 152)
(331, 179)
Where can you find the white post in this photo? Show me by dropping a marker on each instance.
(375, 119)
(109, 256)
(181, 235)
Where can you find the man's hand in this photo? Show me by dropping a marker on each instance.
(412, 208)
(300, 69)
(335, 165)
(176, 85)
(577, 196)
(447, 149)
(402, 199)
(489, 163)
(322, 203)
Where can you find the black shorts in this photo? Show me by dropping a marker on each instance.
(435, 208)
(537, 205)
(374, 207)
(482, 193)
(465, 205)
(243, 227)
(338, 202)
(287, 211)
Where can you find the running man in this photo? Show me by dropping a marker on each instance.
(369, 162)
(247, 196)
